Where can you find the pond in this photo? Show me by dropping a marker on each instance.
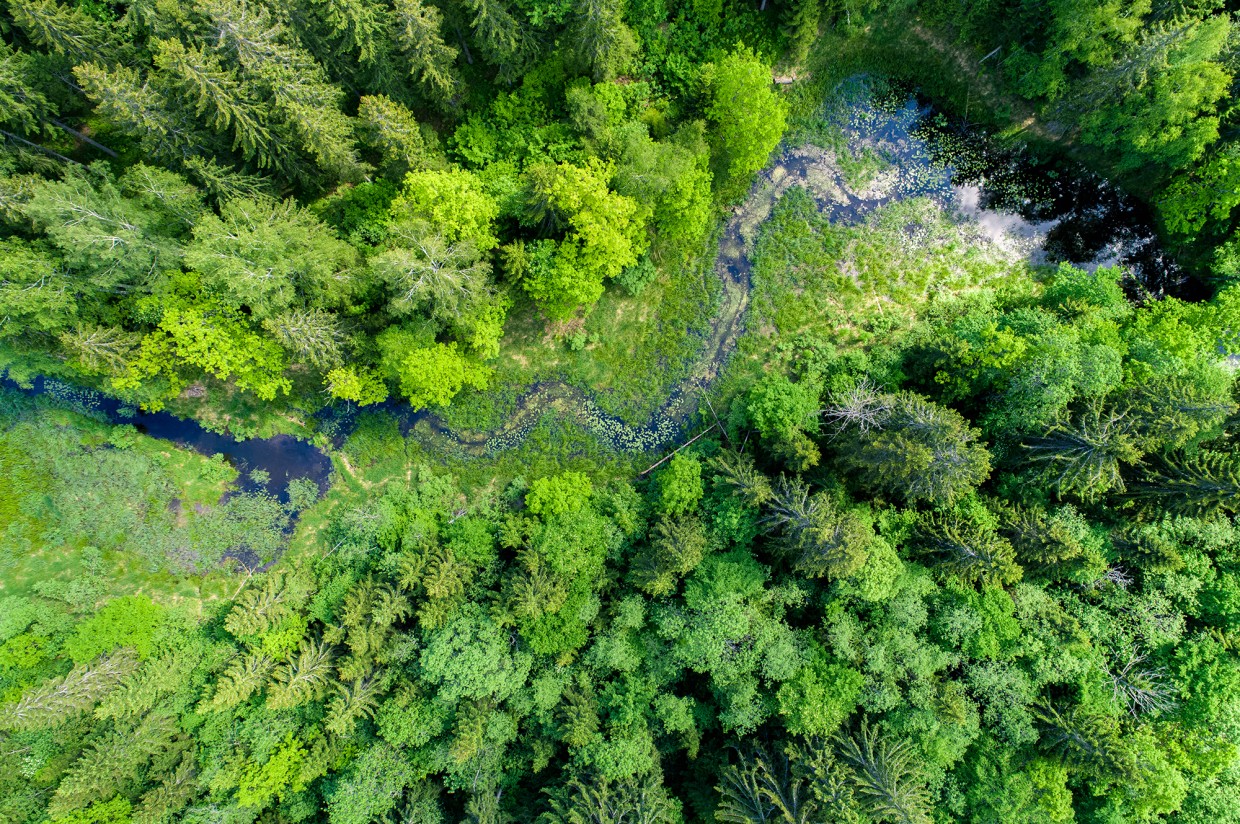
(283, 458)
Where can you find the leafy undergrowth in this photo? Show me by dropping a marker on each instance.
(221, 407)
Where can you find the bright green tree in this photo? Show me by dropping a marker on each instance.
(269, 257)
(747, 115)
(428, 373)
(606, 235)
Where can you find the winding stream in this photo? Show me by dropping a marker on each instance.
(974, 178)
(1043, 210)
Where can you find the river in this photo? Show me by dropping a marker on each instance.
(1047, 207)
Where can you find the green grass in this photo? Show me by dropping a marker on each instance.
(85, 577)
(42, 449)
(860, 283)
(374, 456)
(635, 347)
(861, 170)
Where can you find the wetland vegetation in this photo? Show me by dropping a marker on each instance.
(484, 411)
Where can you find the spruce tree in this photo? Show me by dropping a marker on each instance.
(419, 33)
(1198, 484)
(885, 776)
(62, 29)
(217, 96)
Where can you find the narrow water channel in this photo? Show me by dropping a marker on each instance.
(1055, 211)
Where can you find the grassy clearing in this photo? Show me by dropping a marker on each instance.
(85, 576)
(853, 284)
(375, 455)
(628, 352)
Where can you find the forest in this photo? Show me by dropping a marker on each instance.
(699, 451)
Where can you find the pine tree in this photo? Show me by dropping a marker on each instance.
(369, 614)
(1085, 741)
(114, 762)
(741, 796)
(765, 788)
(22, 106)
(1057, 546)
(484, 808)
(801, 21)
(830, 782)
(820, 539)
(249, 32)
(677, 546)
(172, 794)
(497, 30)
(470, 731)
(352, 703)
(177, 202)
(322, 130)
(637, 800)
(918, 450)
(1171, 412)
(169, 674)
(304, 104)
(36, 293)
(536, 591)
(738, 472)
(444, 581)
(112, 243)
(226, 184)
(357, 26)
(581, 722)
(260, 608)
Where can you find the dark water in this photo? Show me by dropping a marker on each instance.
(1095, 220)
(1091, 220)
(284, 458)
